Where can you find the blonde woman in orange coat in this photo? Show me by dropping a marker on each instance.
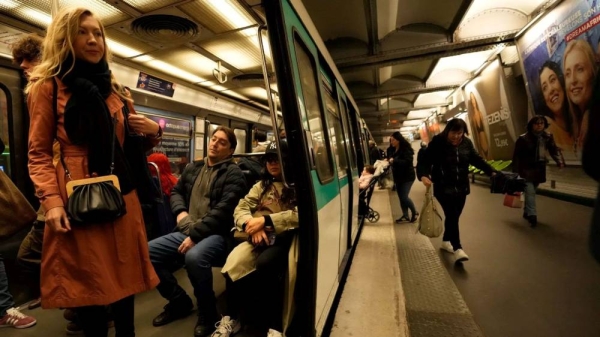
(86, 266)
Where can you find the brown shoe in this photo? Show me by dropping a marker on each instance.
(70, 315)
(74, 329)
(35, 304)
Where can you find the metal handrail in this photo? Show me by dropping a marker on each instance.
(271, 101)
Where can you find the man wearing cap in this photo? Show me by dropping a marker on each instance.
(203, 202)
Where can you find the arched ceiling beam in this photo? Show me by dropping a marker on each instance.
(422, 53)
(462, 11)
(372, 28)
(397, 111)
(347, 47)
(424, 27)
(421, 89)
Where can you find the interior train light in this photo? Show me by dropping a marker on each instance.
(230, 13)
(120, 49)
(35, 15)
(169, 69)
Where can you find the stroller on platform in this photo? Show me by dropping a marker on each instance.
(365, 211)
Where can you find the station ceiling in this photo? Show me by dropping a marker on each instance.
(401, 59)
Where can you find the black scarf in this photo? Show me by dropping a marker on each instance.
(88, 121)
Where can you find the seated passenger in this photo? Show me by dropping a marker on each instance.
(260, 142)
(167, 179)
(10, 316)
(165, 220)
(365, 177)
(203, 202)
(267, 214)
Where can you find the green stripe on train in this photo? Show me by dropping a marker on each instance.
(325, 193)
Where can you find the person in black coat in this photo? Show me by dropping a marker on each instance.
(445, 164)
(404, 175)
(591, 164)
(203, 202)
(374, 153)
(529, 161)
(421, 152)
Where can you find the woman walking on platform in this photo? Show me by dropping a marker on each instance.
(74, 98)
(404, 175)
(445, 164)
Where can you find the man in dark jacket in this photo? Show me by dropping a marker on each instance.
(203, 202)
(374, 153)
(529, 160)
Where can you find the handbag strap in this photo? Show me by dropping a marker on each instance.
(55, 110)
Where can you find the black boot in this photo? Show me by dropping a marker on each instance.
(205, 325)
(174, 310)
(532, 220)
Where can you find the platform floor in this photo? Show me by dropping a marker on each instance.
(521, 281)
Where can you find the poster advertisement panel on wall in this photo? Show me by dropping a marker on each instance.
(559, 55)
(492, 126)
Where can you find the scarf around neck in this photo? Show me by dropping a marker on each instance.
(88, 122)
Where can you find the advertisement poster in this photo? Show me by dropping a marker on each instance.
(172, 126)
(492, 128)
(155, 85)
(177, 149)
(559, 56)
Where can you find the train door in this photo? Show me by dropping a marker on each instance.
(14, 126)
(337, 140)
(350, 228)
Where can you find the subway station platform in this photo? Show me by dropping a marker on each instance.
(519, 281)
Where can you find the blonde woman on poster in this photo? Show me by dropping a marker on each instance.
(478, 126)
(580, 69)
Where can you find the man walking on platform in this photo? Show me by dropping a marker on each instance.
(529, 160)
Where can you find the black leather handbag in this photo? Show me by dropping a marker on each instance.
(95, 202)
(96, 199)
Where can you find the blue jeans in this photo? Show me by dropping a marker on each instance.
(198, 262)
(6, 300)
(530, 189)
(403, 189)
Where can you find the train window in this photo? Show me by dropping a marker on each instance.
(336, 134)
(4, 156)
(240, 135)
(348, 134)
(312, 104)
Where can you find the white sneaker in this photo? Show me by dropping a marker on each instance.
(447, 246)
(274, 333)
(226, 327)
(460, 256)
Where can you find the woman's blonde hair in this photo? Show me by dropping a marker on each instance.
(58, 45)
(587, 50)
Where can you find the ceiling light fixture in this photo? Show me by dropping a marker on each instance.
(121, 49)
(169, 69)
(231, 13)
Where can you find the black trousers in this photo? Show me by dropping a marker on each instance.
(93, 319)
(260, 295)
(453, 206)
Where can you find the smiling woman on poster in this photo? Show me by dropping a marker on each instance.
(552, 82)
(580, 68)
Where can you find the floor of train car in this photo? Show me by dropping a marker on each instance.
(147, 306)
(521, 281)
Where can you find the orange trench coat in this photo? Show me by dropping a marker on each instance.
(95, 264)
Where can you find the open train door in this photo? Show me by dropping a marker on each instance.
(299, 167)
